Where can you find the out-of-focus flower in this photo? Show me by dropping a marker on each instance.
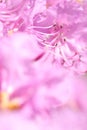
(42, 48)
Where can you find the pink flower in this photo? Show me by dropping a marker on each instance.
(43, 64)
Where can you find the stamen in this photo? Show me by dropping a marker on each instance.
(32, 27)
(55, 33)
(45, 44)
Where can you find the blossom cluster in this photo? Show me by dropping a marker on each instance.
(43, 60)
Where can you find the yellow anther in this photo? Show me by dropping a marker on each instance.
(73, 105)
(10, 32)
(3, 100)
(5, 103)
(79, 1)
(13, 105)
